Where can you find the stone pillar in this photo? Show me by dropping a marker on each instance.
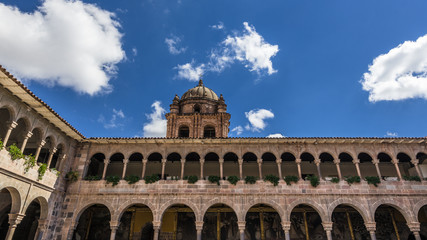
(242, 226)
(42, 143)
(279, 167)
(106, 162)
(415, 229)
(199, 228)
(156, 227)
(377, 167)
(61, 161)
(298, 162)
(202, 163)
(114, 226)
(240, 160)
(286, 228)
(41, 228)
(395, 162)
(144, 166)
(49, 161)
(337, 163)
(328, 228)
(221, 168)
(417, 168)
(317, 162)
(163, 168)
(24, 143)
(14, 220)
(356, 163)
(259, 161)
(12, 125)
(125, 166)
(182, 168)
(371, 227)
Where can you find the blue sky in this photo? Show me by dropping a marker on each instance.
(297, 68)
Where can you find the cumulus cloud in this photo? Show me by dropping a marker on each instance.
(190, 72)
(157, 125)
(399, 74)
(391, 134)
(238, 130)
(275, 135)
(113, 122)
(173, 43)
(257, 118)
(247, 47)
(69, 43)
(218, 26)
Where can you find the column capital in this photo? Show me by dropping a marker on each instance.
(144, 161)
(394, 160)
(415, 162)
(182, 160)
(279, 161)
(164, 160)
(199, 225)
(414, 226)
(114, 225)
(15, 219)
(327, 226)
(286, 225)
(337, 161)
(156, 224)
(202, 160)
(371, 226)
(221, 160)
(298, 161)
(54, 150)
(42, 143)
(375, 161)
(29, 134)
(13, 125)
(356, 161)
(240, 160)
(241, 225)
(317, 161)
(259, 161)
(125, 161)
(106, 161)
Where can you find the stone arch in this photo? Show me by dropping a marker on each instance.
(183, 131)
(132, 153)
(154, 152)
(351, 154)
(16, 199)
(209, 131)
(281, 211)
(81, 208)
(12, 112)
(170, 203)
(309, 202)
(384, 155)
(291, 152)
(125, 205)
(215, 201)
(352, 203)
(417, 207)
(323, 154)
(406, 213)
(44, 206)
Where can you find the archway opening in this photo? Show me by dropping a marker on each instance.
(366, 166)
(209, 132)
(390, 223)
(289, 167)
(96, 165)
(231, 165)
(18, 134)
(220, 222)
(154, 164)
(211, 166)
(327, 166)
(33, 142)
(306, 223)
(405, 166)
(192, 164)
(178, 222)
(269, 165)
(136, 222)
(346, 165)
(387, 169)
(94, 223)
(348, 224)
(307, 165)
(5, 209)
(134, 166)
(5, 118)
(45, 150)
(173, 166)
(422, 218)
(115, 167)
(250, 165)
(56, 157)
(263, 222)
(27, 229)
(184, 132)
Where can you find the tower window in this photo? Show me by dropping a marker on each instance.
(197, 109)
(184, 132)
(209, 132)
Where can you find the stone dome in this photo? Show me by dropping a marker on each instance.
(200, 91)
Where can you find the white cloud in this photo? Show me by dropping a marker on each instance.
(134, 51)
(238, 130)
(173, 43)
(190, 72)
(117, 114)
(69, 43)
(219, 26)
(275, 135)
(391, 134)
(157, 125)
(256, 119)
(399, 74)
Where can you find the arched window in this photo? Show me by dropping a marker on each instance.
(209, 132)
(184, 132)
(197, 108)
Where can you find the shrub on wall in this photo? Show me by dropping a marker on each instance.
(15, 152)
(335, 180)
(72, 176)
(412, 178)
(113, 179)
(93, 178)
(352, 179)
(314, 180)
(29, 162)
(290, 179)
(151, 179)
(192, 179)
(374, 180)
(233, 179)
(250, 180)
(42, 170)
(131, 179)
(272, 178)
(214, 179)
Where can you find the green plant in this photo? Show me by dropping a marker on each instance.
(335, 180)
(374, 180)
(272, 178)
(1, 144)
(290, 179)
(250, 180)
(412, 178)
(113, 179)
(93, 178)
(131, 179)
(314, 180)
(233, 179)
(192, 179)
(352, 179)
(29, 162)
(42, 170)
(15, 152)
(214, 179)
(151, 179)
(72, 176)
(54, 170)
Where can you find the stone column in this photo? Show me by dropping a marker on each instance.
(279, 167)
(12, 125)
(371, 227)
(42, 143)
(61, 161)
(259, 161)
(202, 162)
(328, 228)
(240, 160)
(317, 162)
(53, 151)
(377, 167)
(163, 168)
(417, 168)
(298, 162)
(182, 168)
(199, 228)
(337, 163)
(286, 228)
(356, 163)
(106, 162)
(395, 162)
(221, 168)
(114, 226)
(415, 229)
(156, 227)
(24, 143)
(41, 228)
(242, 226)
(125, 166)
(144, 166)
(14, 220)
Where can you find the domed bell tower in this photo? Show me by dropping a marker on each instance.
(198, 114)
